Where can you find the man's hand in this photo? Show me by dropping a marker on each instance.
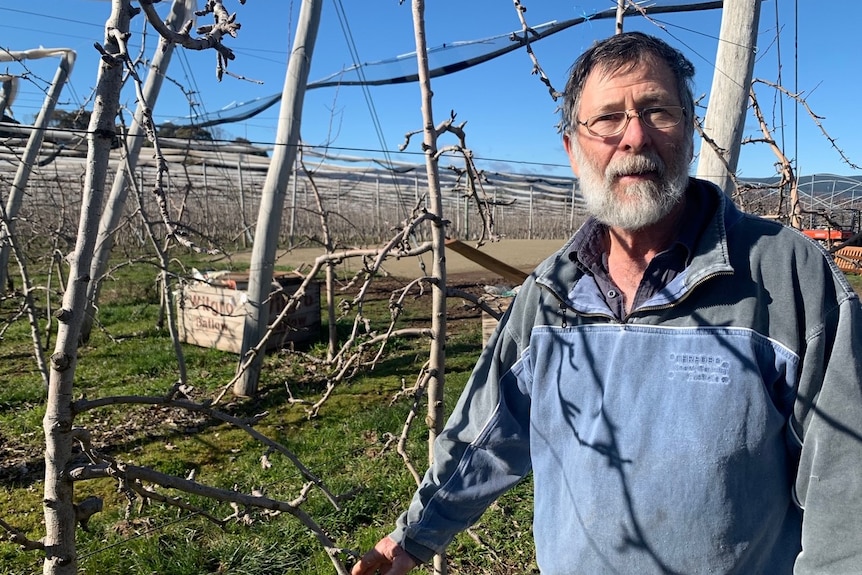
(387, 556)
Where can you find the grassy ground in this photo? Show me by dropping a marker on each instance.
(348, 445)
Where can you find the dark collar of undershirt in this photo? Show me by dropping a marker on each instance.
(589, 252)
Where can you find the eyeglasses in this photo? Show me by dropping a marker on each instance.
(613, 123)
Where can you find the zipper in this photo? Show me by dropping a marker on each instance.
(565, 307)
(676, 302)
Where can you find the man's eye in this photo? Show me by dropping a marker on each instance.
(661, 115)
(608, 119)
(656, 111)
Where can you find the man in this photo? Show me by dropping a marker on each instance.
(682, 379)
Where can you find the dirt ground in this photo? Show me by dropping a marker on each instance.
(522, 254)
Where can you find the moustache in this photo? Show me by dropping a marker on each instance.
(632, 165)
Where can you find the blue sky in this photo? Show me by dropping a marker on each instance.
(510, 116)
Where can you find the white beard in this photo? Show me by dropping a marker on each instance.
(638, 205)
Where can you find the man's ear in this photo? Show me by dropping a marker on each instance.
(567, 144)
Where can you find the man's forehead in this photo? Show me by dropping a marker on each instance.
(649, 63)
(651, 71)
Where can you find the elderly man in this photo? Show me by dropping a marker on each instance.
(682, 379)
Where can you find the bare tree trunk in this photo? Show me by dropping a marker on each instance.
(437, 360)
(728, 100)
(34, 144)
(60, 555)
(134, 141)
(273, 192)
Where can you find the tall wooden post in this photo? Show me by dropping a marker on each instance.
(621, 10)
(34, 144)
(274, 191)
(728, 100)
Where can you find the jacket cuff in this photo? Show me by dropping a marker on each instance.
(417, 551)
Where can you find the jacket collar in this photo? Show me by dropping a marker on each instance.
(710, 255)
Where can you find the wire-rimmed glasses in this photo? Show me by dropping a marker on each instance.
(613, 123)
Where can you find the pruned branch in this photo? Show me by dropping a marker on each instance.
(814, 117)
(418, 391)
(527, 34)
(136, 474)
(83, 405)
(17, 537)
(224, 24)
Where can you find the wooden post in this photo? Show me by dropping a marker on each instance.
(273, 192)
(338, 197)
(728, 100)
(31, 151)
(206, 201)
(246, 231)
(466, 217)
(621, 10)
(494, 209)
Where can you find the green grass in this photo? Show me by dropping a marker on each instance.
(344, 445)
(855, 281)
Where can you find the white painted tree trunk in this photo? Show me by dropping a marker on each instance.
(60, 555)
(274, 191)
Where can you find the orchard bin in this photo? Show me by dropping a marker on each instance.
(211, 311)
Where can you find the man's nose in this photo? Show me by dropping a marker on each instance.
(635, 135)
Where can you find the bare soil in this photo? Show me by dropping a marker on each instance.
(461, 273)
(522, 254)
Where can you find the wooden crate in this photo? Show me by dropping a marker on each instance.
(849, 259)
(489, 323)
(213, 314)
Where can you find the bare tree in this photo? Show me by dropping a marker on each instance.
(62, 513)
(125, 175)
(60, 558)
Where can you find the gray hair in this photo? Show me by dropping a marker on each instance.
(624, 52)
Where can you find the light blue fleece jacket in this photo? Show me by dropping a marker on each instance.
(717, 429)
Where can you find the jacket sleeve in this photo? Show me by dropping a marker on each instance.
(482, 451)
(828, 420)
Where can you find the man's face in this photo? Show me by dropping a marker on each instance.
(635, 178)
